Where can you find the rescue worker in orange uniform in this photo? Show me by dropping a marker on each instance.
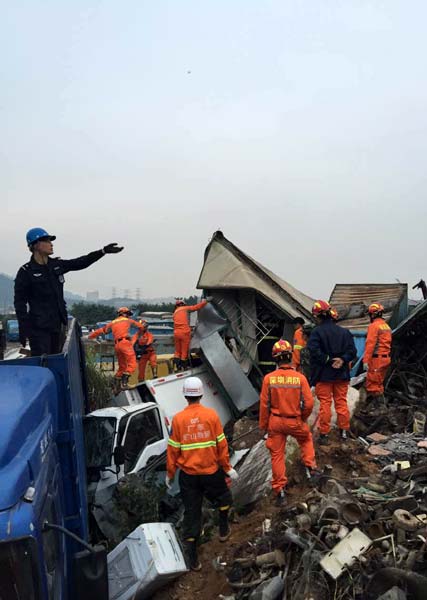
(182, 331)
(123, 345)
(197, 446)
(298, 343)
(145, 352)
(331, 350)
(377, 356)
(286, 403)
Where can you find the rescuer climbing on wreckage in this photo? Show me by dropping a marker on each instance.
(123, 345)
(182, 331)
(145, 352)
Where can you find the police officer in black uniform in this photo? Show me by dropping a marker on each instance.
(39, 292)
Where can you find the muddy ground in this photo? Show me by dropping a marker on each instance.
(348, 461)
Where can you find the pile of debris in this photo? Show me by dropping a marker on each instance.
(363, 538)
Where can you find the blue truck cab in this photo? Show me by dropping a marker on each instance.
(43, 504)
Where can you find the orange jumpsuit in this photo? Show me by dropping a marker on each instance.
(377, 355)
(123, 343)
(181, 329)
(149, 356)
(197, 443)
(286, 403)
(299, 344)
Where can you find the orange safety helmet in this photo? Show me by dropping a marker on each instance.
(179, 302)
(281, 347)
(375, 308)
(321, 307)
(124, 310)
(334, 314)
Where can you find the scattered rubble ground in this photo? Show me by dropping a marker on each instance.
(361, 532)
(346, 460)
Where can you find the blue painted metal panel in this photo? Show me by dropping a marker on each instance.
(70, 403)
(359, 341)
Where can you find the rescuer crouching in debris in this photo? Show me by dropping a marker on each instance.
(331, 350)
(197, 446)
(145, 352)
(377, 356)
(182, 331)
(286, 403)
(123, 346)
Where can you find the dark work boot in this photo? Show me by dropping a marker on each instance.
(176, 364)
(313, 475)
(154, 369)
(324, 439)
(184, 365)
(190, 549)
(344, 434)
(224, 526)
(125, 381)
(281, 498)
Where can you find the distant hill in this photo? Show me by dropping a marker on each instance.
(6, 293)
(131, 301)
(6, 297)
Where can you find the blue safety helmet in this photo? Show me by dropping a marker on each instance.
(35, 234)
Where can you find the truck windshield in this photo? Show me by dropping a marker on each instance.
(99, 438)
(19, 578)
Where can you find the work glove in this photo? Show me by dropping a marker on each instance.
(209, 298)
(365, 367)
(232, 474)
(112, 248)
(168, 482)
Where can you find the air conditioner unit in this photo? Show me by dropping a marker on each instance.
(147, 559)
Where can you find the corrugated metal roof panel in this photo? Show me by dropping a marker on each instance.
(366, 293)
(390, 295)
(227, 267)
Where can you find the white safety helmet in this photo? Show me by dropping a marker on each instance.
(192, 387)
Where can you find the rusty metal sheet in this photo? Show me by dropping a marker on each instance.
(352, 300)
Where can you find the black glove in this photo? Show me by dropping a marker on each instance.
(112, 248)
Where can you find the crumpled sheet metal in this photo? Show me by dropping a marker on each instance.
(209, 321)
(254, 480)
(233, 380)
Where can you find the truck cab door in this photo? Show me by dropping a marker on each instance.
(144, 436)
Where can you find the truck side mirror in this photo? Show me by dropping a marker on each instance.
(119, 456)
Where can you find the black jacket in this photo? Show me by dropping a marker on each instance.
(41, 287)
(328, 341)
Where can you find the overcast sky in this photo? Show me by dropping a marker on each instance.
(299, 128)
